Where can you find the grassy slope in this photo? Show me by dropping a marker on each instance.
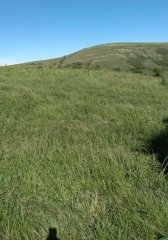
(71, 159)
(124, 57)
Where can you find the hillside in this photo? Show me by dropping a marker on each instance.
(84, 152)
(135, 57)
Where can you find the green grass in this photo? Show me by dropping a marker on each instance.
(135, 57)
(72, 154)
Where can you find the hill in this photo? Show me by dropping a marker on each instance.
(135, 57)
(82, 151)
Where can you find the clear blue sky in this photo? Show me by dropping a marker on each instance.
(42, 29)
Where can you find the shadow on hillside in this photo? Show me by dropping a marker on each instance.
(159, 146)
(52, 235)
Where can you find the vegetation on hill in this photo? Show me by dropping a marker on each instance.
(134, 57)
(79, 151)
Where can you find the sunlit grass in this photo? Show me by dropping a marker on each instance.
(72, 155)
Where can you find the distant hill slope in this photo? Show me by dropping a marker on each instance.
(136, 57)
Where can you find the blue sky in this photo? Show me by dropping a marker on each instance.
(42, 29)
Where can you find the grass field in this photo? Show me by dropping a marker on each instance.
(78, 152)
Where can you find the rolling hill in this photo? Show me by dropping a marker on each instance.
(85, 151)
(135, 57)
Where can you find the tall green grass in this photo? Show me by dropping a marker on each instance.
(73, 155)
